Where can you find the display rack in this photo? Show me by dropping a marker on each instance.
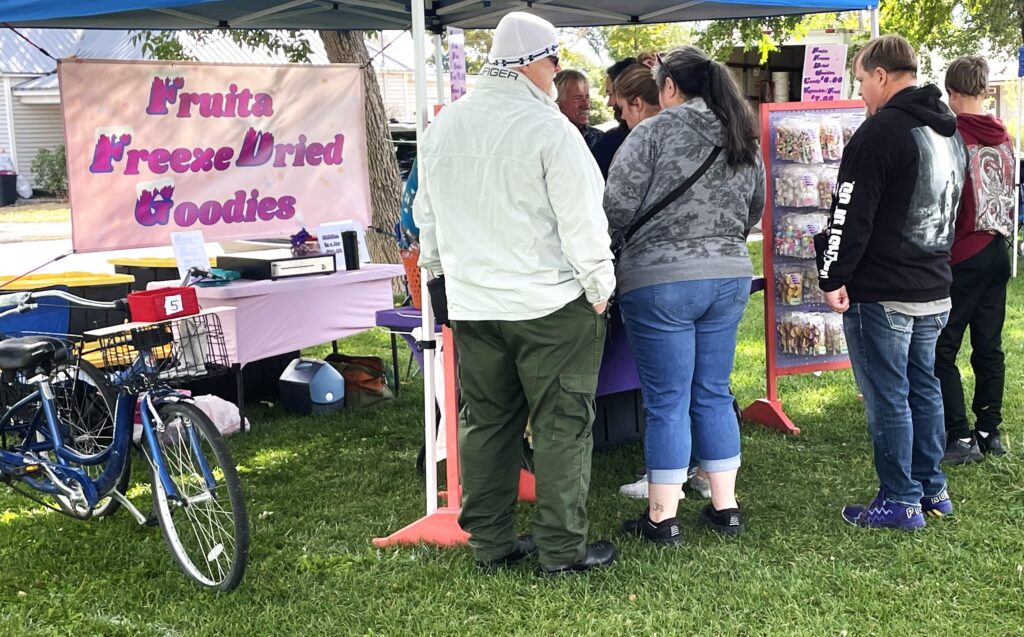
(802, 143)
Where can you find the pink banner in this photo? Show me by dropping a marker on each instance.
(236, 151)
(824, 72)
(457, 61)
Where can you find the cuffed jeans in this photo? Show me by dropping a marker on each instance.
(978, 293)
(893, 357)
(683, 335)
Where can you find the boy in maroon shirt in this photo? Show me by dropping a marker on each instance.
(981, 269)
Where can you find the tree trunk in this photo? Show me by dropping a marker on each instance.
(385, 181)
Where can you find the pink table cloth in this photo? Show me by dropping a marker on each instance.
(275, 317)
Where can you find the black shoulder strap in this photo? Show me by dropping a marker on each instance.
(672, 196)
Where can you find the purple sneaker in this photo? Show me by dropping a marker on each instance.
(885, 514)
(938, 506)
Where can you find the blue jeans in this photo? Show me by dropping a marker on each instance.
(683, 335)
(893, 357)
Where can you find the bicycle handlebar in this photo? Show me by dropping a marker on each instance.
(19, 299)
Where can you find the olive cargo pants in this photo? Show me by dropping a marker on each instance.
(545, 369)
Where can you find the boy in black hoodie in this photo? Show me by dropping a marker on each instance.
(885, 264)
(981, 269)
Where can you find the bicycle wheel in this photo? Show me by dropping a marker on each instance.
(85, 405)
(207, 529)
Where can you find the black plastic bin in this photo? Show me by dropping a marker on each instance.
(8, 189)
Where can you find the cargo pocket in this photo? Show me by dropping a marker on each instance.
(574, 409)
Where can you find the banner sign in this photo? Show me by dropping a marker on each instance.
(1020, 62)
(824, 72)
(235, 151)
(457, 61)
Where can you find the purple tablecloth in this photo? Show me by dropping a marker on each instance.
(618, 367)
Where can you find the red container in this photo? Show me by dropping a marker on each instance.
(159, 305)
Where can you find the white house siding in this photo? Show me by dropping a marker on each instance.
(5, 96)
(36, 126)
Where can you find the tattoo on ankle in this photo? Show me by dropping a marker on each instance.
(658, 507)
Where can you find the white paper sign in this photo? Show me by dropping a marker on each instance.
(189, 251)
(173, 304)
(329, 236)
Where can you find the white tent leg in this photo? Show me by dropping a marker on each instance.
(874, 22)
(427, 337)
(1016, 169)
(439, 67)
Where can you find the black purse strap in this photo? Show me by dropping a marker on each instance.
(672, 196)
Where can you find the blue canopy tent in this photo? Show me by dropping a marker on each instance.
(387, 14)
(420, 16)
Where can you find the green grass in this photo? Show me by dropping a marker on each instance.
(37, 212)
(320, 488)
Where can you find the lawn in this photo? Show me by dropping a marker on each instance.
(28, 211)
(320, 488)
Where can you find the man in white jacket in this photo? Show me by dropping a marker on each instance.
(509, 210)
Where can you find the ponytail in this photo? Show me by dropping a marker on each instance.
(697, 75)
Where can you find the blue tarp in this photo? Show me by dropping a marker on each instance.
(384, 14)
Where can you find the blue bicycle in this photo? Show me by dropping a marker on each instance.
(67, 427)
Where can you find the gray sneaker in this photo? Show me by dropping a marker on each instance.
(696, 483)
(960, 452)
(639, 489)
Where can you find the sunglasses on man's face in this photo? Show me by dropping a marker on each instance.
(554, 59)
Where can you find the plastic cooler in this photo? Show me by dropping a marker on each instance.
(90, 285)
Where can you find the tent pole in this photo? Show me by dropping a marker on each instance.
(427, 339)
(874, 22)
(1016, 168)
(439, 67)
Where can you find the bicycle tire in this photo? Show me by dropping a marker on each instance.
(198, 533)
(85, 405)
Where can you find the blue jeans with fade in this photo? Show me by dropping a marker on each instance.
(683, 335)
(893, 357)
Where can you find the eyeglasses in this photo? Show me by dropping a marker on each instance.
(554, 59)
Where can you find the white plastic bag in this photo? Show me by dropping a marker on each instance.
(224, 414)
(23, 187)
(6, 163)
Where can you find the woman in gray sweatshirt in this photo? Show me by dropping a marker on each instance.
(684, 279)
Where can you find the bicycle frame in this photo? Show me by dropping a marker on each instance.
(150, 398)
(38, 439)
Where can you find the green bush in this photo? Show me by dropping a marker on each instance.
(50, 169)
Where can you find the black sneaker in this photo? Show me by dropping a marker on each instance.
(665, 532)
(992, 444)
(960, 452)
(525, 546)
(726, 521)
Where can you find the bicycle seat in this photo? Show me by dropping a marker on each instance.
(29, 351)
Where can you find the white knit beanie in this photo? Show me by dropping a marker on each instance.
(521, 38)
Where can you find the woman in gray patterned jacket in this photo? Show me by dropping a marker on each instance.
(684, 279)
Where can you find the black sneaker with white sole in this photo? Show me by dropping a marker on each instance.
(726, 521)
(991, 444)
(665, 532)
(962, 452)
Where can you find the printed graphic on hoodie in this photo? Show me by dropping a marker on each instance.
(936, 197)
(992, 183)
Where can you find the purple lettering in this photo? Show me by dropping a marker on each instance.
(265, 209)
(162, 92)
(332, 151)
(209, 213)
(186, 214)
(257, 148)
(158, 160)
(134, 157)
(222, 161)
(286, 207)
(314, 154)
(107, 151)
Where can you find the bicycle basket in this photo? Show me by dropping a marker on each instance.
(170, 352)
